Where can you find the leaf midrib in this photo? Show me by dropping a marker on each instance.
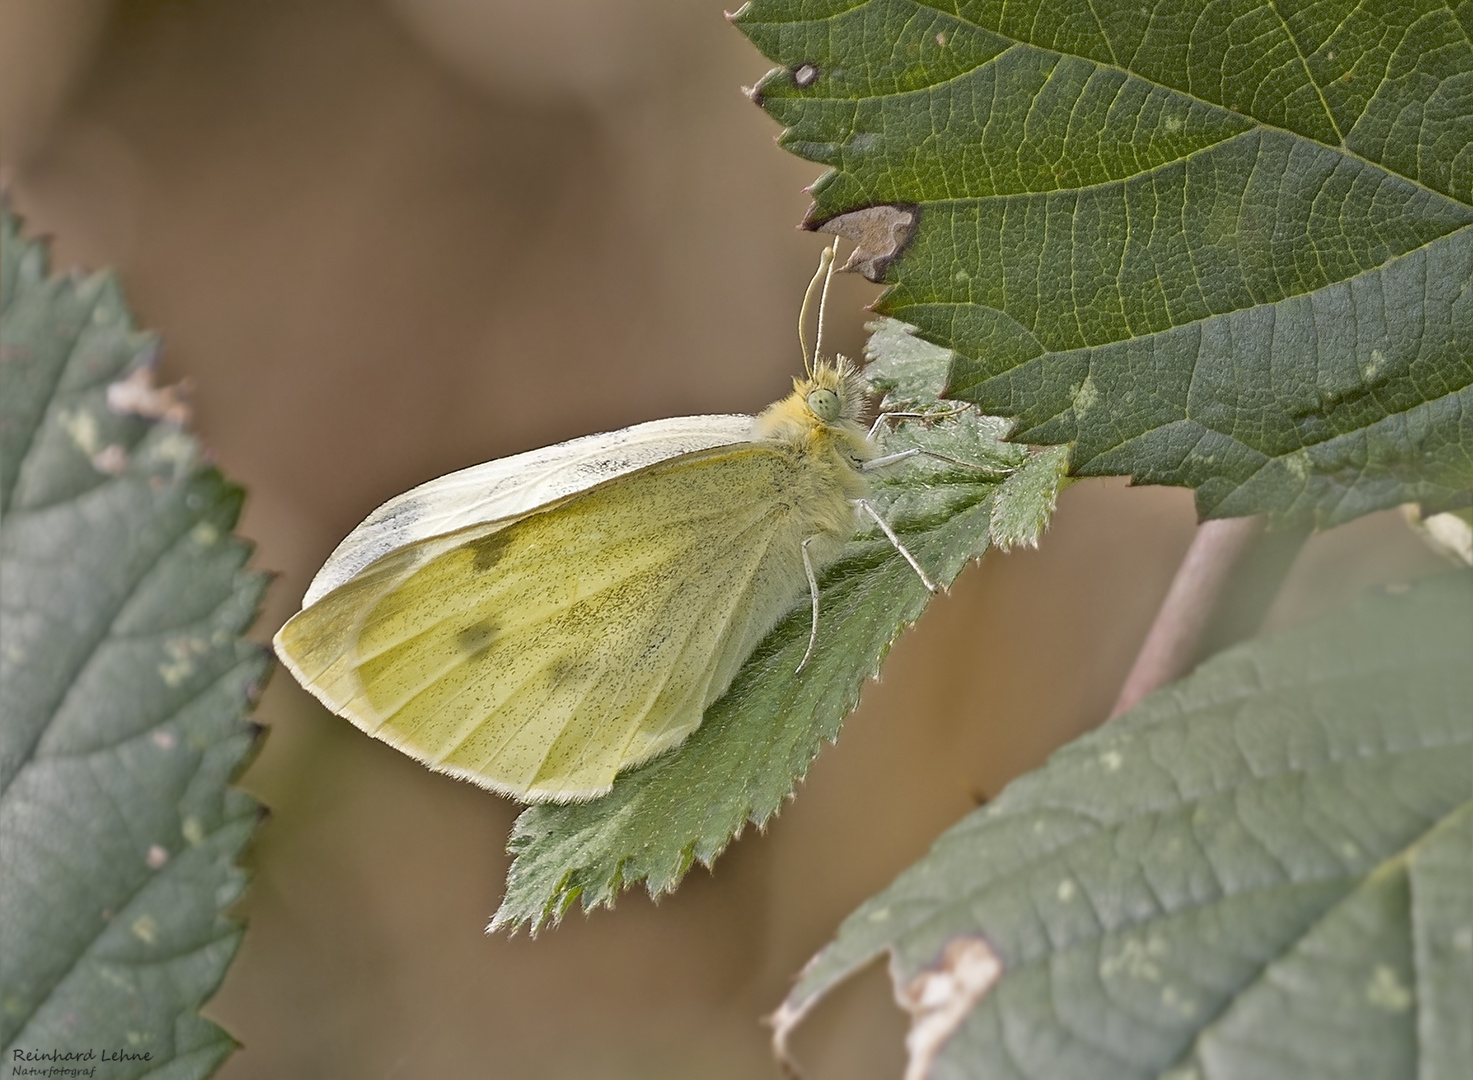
(1402, 857)
(69, 680)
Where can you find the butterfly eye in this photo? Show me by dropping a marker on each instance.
(825, 405)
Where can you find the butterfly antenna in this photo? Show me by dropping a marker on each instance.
(825, 261)
(832, 254)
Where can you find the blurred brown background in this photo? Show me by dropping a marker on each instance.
(385, 239)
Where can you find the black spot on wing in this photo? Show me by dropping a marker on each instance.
(487, 551)
(475, 640)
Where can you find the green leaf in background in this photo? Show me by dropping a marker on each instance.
(1221, 245)
(1265, 870)
(760, 738)
(124, 683)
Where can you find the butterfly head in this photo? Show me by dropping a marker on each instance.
(824, 409)
(822, 414)
(833, 393)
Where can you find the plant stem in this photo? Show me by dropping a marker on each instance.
(1174, 638)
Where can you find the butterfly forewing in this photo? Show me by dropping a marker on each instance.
(511, 487)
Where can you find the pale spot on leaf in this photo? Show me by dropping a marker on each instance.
(180, 665)
(1173, 1000)
(1086, 396)
(1133, 961)
(82, 427)
(1385, 990)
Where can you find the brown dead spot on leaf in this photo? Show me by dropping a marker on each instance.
(939, 999)
(880, 233)
(138, 395)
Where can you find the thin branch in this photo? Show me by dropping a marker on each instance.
(1173, 642)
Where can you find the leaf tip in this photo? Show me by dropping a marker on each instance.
(783, 1020)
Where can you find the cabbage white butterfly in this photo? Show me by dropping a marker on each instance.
(540, 622)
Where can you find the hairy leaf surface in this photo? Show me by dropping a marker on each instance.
(760, 738)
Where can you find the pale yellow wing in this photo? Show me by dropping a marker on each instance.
(512, 487)
(540, 658)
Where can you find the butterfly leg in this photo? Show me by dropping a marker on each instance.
(868, 507)
(916, 451)
(813, 592)
(874, 428)
(890, 459)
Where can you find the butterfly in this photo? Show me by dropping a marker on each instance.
(538, 623)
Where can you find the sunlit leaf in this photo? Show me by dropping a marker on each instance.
(1222, 245)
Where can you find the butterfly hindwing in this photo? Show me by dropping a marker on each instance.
(542, 656)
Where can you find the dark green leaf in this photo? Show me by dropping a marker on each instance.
(124, 683)
(759, 739)
(1222, 245)
(1263, 871)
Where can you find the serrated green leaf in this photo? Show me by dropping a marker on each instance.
(1024, 503)
(759, 739)
(124, 682)
(1264, 870)
(1220, 245)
